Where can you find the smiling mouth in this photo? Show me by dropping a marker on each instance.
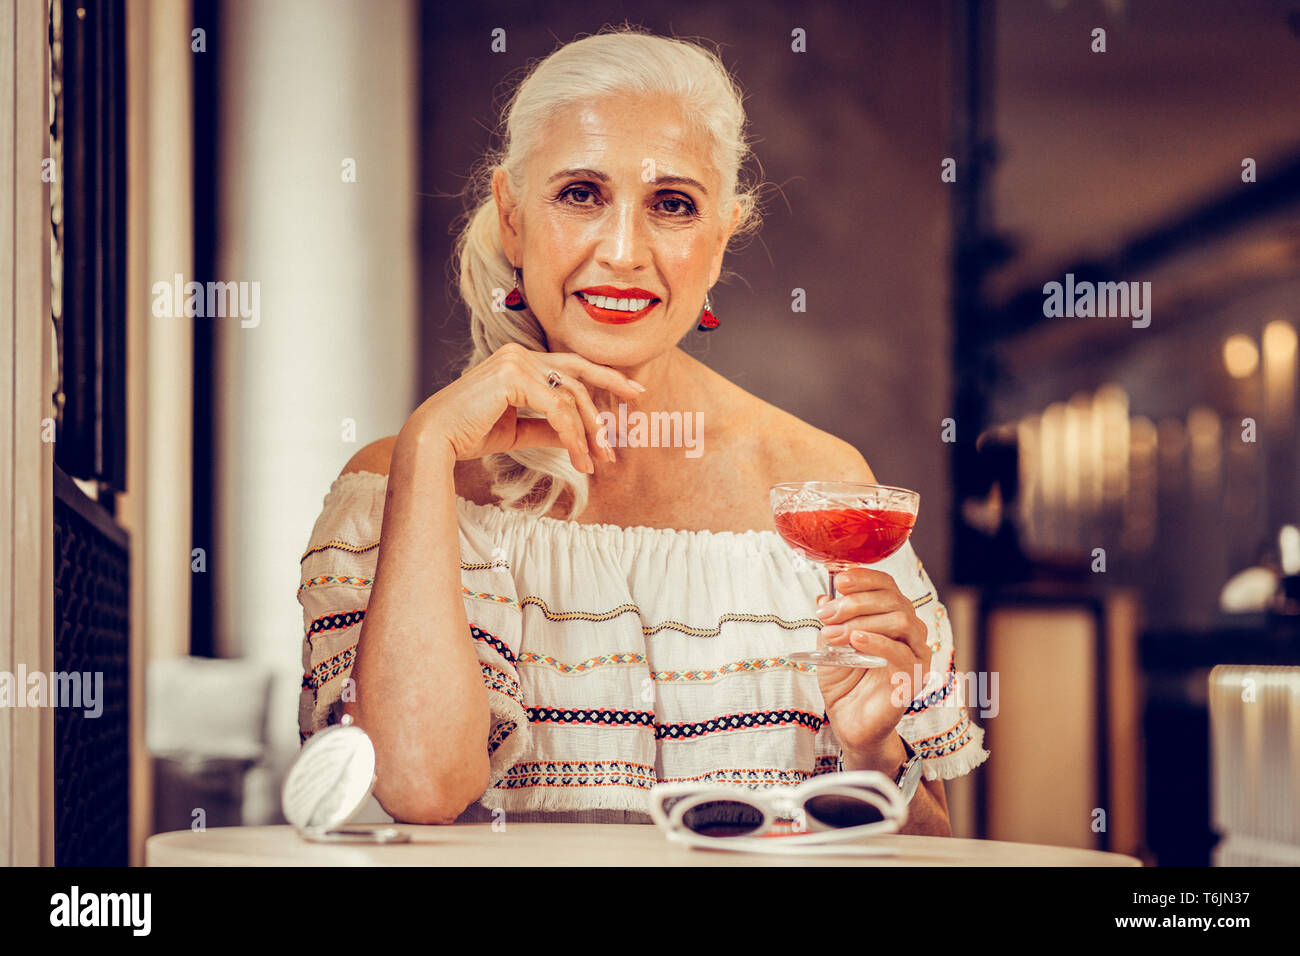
(615, 311)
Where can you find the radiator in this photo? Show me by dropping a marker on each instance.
(1255, 765)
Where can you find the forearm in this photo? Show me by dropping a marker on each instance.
(927, 814)
(419, 689)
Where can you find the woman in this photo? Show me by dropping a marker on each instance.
(628, 609)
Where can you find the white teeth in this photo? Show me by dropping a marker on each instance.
(616, 305)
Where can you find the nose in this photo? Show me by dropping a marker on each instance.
(623, 246)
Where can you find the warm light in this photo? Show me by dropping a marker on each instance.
(1240, 355)
(1279, 340)
(1111, 423)
(1204, 433)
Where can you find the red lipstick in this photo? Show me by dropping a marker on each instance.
(617, 293)
(615, 316)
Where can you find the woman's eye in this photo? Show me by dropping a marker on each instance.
(679, 206)
(578, 195)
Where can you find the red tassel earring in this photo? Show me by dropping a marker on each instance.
(708, 321)
(515, 301)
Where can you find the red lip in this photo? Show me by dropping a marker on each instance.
(613, 316)
(615, 293)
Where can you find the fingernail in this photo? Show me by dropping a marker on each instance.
(826, 612)
(637, 385)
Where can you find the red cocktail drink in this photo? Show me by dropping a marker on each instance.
(848, 536)
(843, 525)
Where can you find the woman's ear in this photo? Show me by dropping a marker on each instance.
(507, 214)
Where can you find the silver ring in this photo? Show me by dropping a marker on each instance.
(553, 378)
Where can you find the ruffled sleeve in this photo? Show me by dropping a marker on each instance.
(337, 574)
(937, 723)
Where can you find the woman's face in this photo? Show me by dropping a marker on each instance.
(621, 207)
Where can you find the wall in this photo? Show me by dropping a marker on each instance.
(306, 86)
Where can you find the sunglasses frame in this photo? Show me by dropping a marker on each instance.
(776, 803)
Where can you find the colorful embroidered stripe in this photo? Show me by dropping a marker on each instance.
(558, 715)
(339, 546)
(921, 703)
(620, 610)
(493, 642)
(633, 657)
(489, 596)
(728, 618)
(948, 742)
(763, 718)
(622, 657)
(733, 667)
(496, 565)
(499, 680)
(337, 621)
(610, 773)
(328, 669)
(498, 737)
(760, 777)
(348, 580)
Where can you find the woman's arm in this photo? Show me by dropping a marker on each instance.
(927, 814)
(419, 691)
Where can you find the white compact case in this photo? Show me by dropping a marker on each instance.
(330, 780)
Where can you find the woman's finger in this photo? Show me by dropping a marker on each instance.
(895, 625)
(852, 580)
(858, 603)
(599, 376)
(596, 436)
(526, 386)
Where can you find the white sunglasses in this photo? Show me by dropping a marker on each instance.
(827, 809)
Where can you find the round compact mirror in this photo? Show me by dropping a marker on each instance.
(329, 782)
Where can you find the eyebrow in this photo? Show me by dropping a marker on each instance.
(601, 177)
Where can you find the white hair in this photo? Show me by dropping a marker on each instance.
(614, 61)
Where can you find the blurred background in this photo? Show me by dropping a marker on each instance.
(1110, 507)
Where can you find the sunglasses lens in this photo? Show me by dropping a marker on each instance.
(723, 818)
(837, 810)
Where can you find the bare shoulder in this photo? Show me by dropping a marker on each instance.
(472, 481)
(374, 457)
(793, 450)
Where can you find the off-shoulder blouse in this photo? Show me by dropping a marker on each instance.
(615, 658)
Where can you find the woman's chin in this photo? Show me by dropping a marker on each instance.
(617, 346)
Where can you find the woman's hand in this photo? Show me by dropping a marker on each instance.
(872, 616)
(476, 413)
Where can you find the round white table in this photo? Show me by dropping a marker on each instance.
(573, 844)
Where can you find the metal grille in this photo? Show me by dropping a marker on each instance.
(91, 635)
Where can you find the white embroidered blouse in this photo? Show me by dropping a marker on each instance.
(615, 658)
